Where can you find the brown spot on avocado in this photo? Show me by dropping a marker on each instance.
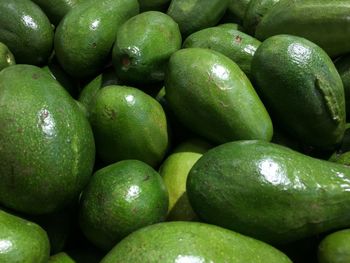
(238, 39)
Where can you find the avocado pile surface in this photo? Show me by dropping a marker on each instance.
(175, 131)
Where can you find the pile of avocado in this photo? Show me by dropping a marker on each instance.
(174, 131)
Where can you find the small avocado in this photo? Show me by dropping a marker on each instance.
(120, 199)
(335, 248)
(22, 241)
(6, 57)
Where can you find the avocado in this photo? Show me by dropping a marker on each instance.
(335, 247)
(61, 258)
(269, 192)
(143, 46)
(174, 171)
(47, 147)
(120, 199)
(85, 36)
(302, 89)
(26, 31)
(128, 124)
(147, 5)
(231, 26)
(191, 242)
(238, 8)
(234, 44)
(6, 57)
(212, 96)
(325, 23)
(194, 15)
(343, 66)
(22, 241)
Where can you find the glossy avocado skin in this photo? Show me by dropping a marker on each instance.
(335, 248)
(56, 9)
(234, 44)
(325, 23)
(61, 257)
(120, 199)
(302, 89)
(143, 46)
(6, 57)
(269, 191)
(26, 31)
(22, 241)
(212, 96)
(191, 242)
(85, 36)
(47, 148)
(193, 15)
(128, 124)
(343, 66)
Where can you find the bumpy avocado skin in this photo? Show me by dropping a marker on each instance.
(302, 89)
(47, 147)
(26, 31)
(269, 191)
(22, 241)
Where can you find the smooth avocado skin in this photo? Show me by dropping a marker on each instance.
(234, 44)
(193, 15)
(85, 36)
(325, 23)
(6, 57)
(302, 89)
(191, 242)
(61, 257)
(120, 199)
(212, 96)
(128, 124)
(335, 248)
(26, 31)
(343, 66)
(143, 46)
(22, 241)
(47, 147)
(269, 192)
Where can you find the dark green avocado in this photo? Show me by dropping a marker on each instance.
(343, 66)
(6, 57)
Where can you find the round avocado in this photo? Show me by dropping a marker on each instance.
(335, 248)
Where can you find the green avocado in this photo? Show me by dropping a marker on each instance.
(191, 242)
(325, 23)
(22, 241)
(343, 66)
(85, 36)
(56, 9)
(269, 192)
(120, 199)
(234, 44)
(302, 89)
(146, 5)
(6, 57)
(238, 8)
(231, 26)
(61, 258)
(128, 124)
(26, 31)
(212, 96)
(194, 15)
(47, 147)
(335, 248)
(143, 46)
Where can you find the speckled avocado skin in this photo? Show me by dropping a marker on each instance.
(47, 148)
(269, 191)
(22, 241)
(335, 248)
(85, 36)
(191, 242)
(26, 30)
(6, 57)
(212, 96)
(302, 89)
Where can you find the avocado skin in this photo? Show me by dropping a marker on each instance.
(143, 46)
(61, 257)
(335, 248)
(128, 124)
(343, 66)
(6, 57)
(120, 199)
(193, 15)
(234, 44)
(302, 89)
(211, 95)
(191, 242)
(26, 31)
(85, 36)
(47, 147)
(269, 192)
(22, 241)
(238, 8)
(325, 23)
